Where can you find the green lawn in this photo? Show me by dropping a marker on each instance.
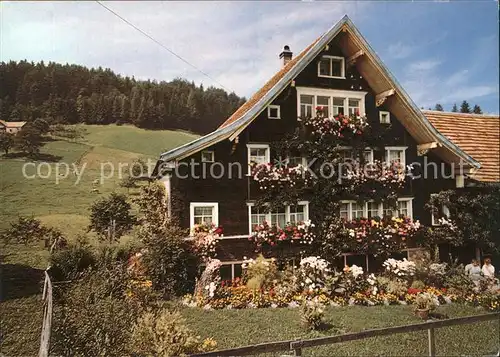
(64, 205)
(237, 328)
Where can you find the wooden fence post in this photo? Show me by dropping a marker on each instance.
(432, 342)
(296, 346)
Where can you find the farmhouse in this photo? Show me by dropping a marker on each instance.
(221, 178)
(11, 126)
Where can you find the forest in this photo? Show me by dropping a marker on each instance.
(70, 94)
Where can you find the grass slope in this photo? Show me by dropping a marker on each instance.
(64, 205)
(47, 199)
(237, 328)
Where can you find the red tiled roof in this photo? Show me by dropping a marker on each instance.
(13, 124)
(476, 134)
(267, 87)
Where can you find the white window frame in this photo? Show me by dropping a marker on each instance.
(331, 58)
(211, 152)
(409, 207)
(303, 161)
(268, 214)
(388, 149)
(215, 218)
(380, 208)
(332, 93)
(381, 114)
(258, 146)
(370, 151)
(277, 107)
(444, 210)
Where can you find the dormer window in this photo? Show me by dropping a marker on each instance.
(331, 67)
(207, 156)
(273, 112)
(385, 117)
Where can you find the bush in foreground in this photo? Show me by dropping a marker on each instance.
(165, 334)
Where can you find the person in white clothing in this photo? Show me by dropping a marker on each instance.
(488, 270)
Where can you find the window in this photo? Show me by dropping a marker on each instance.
(338, 106)
(352, 209)
(207, 156)
(297, 213)
(443, 212)
(306, 106)
(278, 218)
(203, 212)
(385, 117)
(257, 216)
(395, 154)
(258, 154)
(373, 209)
(333, 102)
(273, 112)
(230, 270)
(354, 106)
(288, 214)
(403, 208)
(296, 161)
(331, 67)
(358, 210)
(346, 154)
(368, 156)
(344, 210)
(324, 102)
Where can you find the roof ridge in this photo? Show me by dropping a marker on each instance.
(440, 112)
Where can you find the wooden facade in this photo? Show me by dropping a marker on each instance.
(235, 190)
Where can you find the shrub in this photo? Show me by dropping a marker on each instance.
(165, 334)
(425, 301)
(169, 262)
(71, 263)
(260, 273)
(110, 217)
(28, 229)
(312, 313)
(93, 318)
(288, 283)
(418, 284)
(397, 287)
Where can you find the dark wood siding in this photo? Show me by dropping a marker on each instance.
(233, 194)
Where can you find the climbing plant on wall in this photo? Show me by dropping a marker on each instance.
(336, 168)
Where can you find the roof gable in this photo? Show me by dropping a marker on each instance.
(373, 70)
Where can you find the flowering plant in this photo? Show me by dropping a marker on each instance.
(270, 176)
(400, 268)
(339, 126)
(376, 175)
(205, 239)
(301, 232)
(380, 235)
(313, 273)
(312, 313)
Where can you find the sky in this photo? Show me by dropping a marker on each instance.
(440, 52)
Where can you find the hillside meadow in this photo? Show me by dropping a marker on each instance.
(58, 199)
(60, 202)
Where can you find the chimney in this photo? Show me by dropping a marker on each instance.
(286, 55)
